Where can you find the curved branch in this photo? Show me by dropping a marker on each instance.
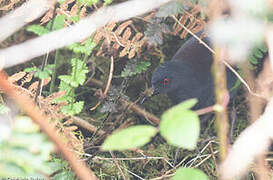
(27, 105)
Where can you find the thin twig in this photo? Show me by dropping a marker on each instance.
(213, 157)
(130, 105)
(128, 159)
(84, 124)
(140, 111)
(110, 76)
(114, 34)
(118, 166)
(134, 174)
(205, 159)
(108, 82)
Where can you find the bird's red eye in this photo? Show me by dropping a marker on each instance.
(166, 81)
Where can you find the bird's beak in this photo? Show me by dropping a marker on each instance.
(149, 93)
(154, 91)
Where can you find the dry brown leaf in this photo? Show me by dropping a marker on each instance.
(50, 109)
(33, 87)
(120, 39)
(9, 6)
(83, 12)
(191, 21)
(47, 17)
(64, 6)
(16, 77)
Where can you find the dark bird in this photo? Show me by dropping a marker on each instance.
(188, 75)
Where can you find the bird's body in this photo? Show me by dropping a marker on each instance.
(188, 75)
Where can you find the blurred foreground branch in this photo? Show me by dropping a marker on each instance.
(23, 15)
(36, 47)
(27, 105)
(253, 141)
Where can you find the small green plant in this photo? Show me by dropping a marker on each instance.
(77, 77)
(47, 72)
(85, 49)
(180, 126)
(25, 152)
(69, 83)
(257, 54)
(41, 30)
(134, 67)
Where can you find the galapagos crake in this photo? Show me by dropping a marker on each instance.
(188, 75)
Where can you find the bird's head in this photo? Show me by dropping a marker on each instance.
(166, 78)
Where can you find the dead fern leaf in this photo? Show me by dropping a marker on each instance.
(16, 77)
(47, 17)
(50, 108)
(65, 5)
(191, 21)
(122, 38)
(20, 78)
(83, 12)
(34, 86)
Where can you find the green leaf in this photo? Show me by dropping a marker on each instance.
(263, 48)
(78, 107)
(75, 18)
(67, 109)
(180, 126)
(58, 23)
(64, 86)
(129, 138)
(79, 71)
(43, 75)
(188, 104)
(67, 79)
(86, 49)
(258, 53)
(189, 174)
(253, 59)
(134, 67)
(73, 109)
(37, 29)
(31, 69)
(107, 2)
(88, 2)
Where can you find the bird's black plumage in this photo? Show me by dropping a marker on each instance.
(188, 75)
